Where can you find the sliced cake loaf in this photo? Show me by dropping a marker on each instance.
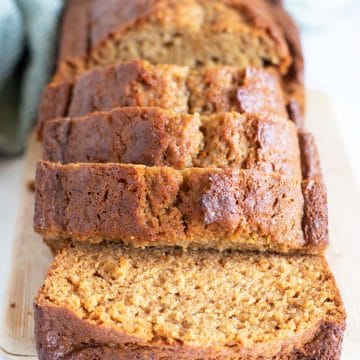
(112, 302)
(184, 160)
(157, 137)
(194, 33)
(195, 207)
(138, 83)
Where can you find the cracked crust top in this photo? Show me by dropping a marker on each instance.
(138, 83)
(162, 206)
(157, 137)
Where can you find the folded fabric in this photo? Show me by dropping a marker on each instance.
(27, 49)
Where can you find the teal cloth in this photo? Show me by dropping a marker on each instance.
(28, 30)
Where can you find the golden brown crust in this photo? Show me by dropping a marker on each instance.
(138, 83)
(310, 161)
(315, 220)
(293, 82)
(74, 30)
(260, 91)
(61, 335)
(54, 103)
(219, 208)
(156, 137)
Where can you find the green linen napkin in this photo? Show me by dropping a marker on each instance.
(28, 30)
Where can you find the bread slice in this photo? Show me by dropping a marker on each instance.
(236, 32)
(112, 302)
(138, 83)
(195, 207)
(156, 137)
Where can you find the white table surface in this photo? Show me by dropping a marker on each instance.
(332, 57)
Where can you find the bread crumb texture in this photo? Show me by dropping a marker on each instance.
(204, 299)
(174, 32)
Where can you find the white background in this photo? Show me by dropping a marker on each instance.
(332, 57)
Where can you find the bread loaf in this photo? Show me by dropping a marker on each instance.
(188, 214)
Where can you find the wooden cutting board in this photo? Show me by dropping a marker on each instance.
(31, 257)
